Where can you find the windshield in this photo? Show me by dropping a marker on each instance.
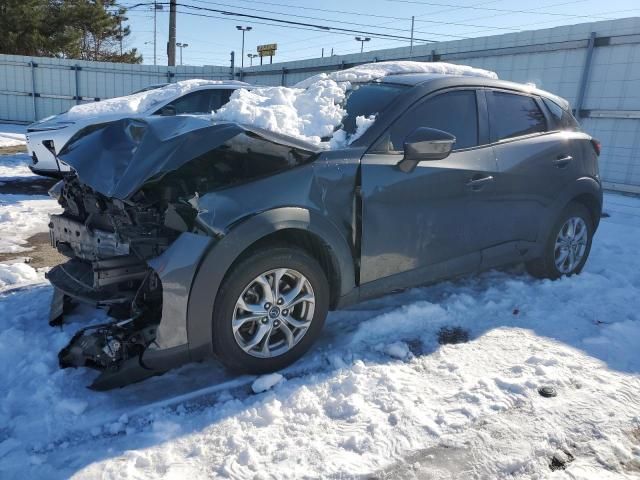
(368, 99)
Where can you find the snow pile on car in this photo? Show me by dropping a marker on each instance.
(375, 71)
(137, 102)
(308, 114)
(312, 111)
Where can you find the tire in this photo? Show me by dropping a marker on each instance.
(243, 282)
(547, 266)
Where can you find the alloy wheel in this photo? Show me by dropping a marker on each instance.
(571, 245)
(273, 313)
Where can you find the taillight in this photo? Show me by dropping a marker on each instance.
(596, 146)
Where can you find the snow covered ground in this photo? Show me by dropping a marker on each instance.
(378, 396)
(12, 135)
(21, 216)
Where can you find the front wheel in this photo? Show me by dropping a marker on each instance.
(568, 246)
(270, 310)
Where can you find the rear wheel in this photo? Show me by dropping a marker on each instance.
(568, 246)
(270, 310)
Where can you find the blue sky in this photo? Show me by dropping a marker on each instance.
(211, 39)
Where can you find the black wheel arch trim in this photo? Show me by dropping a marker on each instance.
(579, 189)
(225, 251)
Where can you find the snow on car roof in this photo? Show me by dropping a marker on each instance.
(306, 114)
(142, 101)
(375, 71)
(313, 110)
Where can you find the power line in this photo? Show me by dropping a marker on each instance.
(286, 23)
(502, 10)
(336, 21)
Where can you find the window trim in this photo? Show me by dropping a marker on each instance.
(552, 118)
(494, 141)
(481, 111)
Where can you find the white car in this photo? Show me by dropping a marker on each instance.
(46, 137)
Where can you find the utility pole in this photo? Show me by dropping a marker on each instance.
(171, 46)
(120, 31)
(242, 29)
(413, 19)
(362, 40)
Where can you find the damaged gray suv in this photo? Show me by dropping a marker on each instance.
(220, 239)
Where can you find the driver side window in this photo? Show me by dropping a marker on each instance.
(454, 112)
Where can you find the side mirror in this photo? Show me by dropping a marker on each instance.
(425, 144)
(168, 110)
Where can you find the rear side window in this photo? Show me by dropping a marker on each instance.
(563, 118)
(512, 115)
(202, 101)
(453, 112)
(195, 102)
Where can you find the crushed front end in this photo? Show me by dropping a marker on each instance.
(134, 232)
(109, 243)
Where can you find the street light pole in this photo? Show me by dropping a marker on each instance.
(243, 29)
(362, 40)
(413, 20)
(155, 15)
(181, 46)
(251, 57)
(156, 7)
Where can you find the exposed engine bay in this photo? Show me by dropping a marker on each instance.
(108, 242)
(111, 238)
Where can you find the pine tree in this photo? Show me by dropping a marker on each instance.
(80, 29)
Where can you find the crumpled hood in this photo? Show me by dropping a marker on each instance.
(117, 158)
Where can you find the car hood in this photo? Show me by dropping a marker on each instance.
(117, 158)
(62, 120)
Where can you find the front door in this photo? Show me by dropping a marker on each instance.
(416, 226)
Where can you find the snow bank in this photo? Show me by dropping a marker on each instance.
(15, 166)
(138, 102)
(22, 216)
(18, 274)
(376, 71)
(12, 135)
(312, 110)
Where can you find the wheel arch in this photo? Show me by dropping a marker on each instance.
(592, 203)
(289, 225)
(586, 191)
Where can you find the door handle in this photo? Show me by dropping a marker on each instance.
(562, 161)
(478, 183)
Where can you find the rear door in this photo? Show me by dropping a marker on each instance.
(416, 225)
(536, 162)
